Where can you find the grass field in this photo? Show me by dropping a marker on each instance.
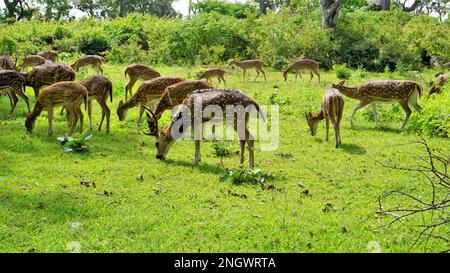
(178, 208)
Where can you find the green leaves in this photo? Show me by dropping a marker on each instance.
(244, 176)
(69, 144)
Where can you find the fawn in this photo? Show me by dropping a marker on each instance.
(137, 72)
(303, 64)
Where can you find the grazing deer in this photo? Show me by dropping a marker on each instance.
(94, 61)
(331, 110)
(12, 83)
(100, 88)
(47, 74)
(70, 94)
(176, 94)
(404, 92)
(300, 65)
(251, 64)
(31, 60)
(209, 97)
(7, 63)
(50, 55)
(439, 82)
(148, 92)
(137, 72)
(213, 73)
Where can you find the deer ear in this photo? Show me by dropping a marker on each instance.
(341, 82)
(121, 103)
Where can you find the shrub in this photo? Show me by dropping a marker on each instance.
(434, 120)
(342, 71)
(93, 43)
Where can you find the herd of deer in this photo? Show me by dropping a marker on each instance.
(53, 84)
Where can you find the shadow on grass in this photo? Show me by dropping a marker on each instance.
(376, 129)
(203, 167)
(353, 149)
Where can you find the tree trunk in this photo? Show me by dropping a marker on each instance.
(385, 4)
(263, 5)
(330, 10)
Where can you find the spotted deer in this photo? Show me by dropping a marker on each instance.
(137, 72)
(50, 55)
(439, 82)
(147, 94)
(69, 94)
(404, 92)
(301, 65)
(94, 61)
(176, 94)
(6, 63)
(99, 88)
(251, 64)
(331, 110)
(30, 61)
(210, 97)
(47, 74)
(213, 73)
(12, 83)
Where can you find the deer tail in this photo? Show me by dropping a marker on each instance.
(419, 89)
(111, 92)
(261, 113)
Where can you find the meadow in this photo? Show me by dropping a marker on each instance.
(323, 199)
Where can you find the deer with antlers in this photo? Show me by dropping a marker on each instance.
(95, 61)
(201, 99)
(301, 65)
(404, 92)
(251, 64)
(12, 83)
(47, 74)
(211, 73)
(332, 109)
(31, 61)
(69, 94)
(50, 55)
(137, 72)
(147, 94)
(100, 88)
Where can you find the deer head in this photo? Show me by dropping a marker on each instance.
(30, 122)
(163, 141)
(312, 123)
(340, 84)
(121, 112)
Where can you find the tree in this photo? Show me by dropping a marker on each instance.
(237, 10)
(265, 5)
(55, 9)
(18, 9)
(330, 10)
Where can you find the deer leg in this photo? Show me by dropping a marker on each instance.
(100, 69)
(224, 82)
(141, 112)
(197, 152)
(257, 75)
(241, 152)
(80, 116)
(89, 110)
(50, 120)
(327, 123)
(73, 119)
(296, 76)
(105, 112)
(408, 112)
(36, 92)
(13, 102)
(245, 71)
(318, 75)
(251, 150)
(337, 134)
(264, 74)
(375, 113)
(312, 76)
(360, 105)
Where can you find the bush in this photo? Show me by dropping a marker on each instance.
(434, 120)
(342, 71)
(93, 43)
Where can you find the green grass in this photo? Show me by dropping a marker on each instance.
(178, 208)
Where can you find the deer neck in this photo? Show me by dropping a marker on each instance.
(38, 107)
(350, 92)
(319, 116)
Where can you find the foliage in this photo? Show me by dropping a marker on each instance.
(237, 10)
(93, 43)
(342, 71)
(220, 149)
(434, 120)
(77, 145)
(245, 176)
